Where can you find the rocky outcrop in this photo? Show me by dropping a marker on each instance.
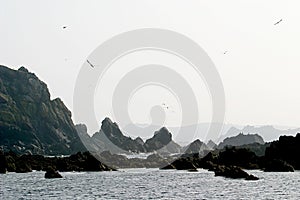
(278, 166)
(240, 140)
(76, 162)
(51, 173)
(30, 122)
(287, 149)
(113, 133)
(110, 138)
(233, 172)
(196, 147)
(161, 138)
(162, 141)
(243, 158)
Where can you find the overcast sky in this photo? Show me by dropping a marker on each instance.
(260, 71)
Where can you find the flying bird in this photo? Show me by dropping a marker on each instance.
(64, 27)
(278, 22)
(90, 63)
(225, 52)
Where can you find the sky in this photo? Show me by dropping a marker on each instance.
(258, 61)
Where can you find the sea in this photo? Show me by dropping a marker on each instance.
(149, 184)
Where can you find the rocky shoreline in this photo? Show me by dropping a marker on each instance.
(229, 162)
(11, 162)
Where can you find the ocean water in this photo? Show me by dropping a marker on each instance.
(149, 184)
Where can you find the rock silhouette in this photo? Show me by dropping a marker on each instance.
(51, 173)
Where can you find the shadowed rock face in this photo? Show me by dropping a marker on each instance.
(287, 149)
(114, 134)
(161, 138)
(29, 121)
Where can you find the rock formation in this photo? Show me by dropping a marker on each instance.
(30, 122)
(287, 149)
(241, 139)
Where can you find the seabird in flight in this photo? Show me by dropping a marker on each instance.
(278, 22)
(90, 63)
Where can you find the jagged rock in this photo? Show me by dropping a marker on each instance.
(287, 148)
(113, 133)
(29, 120)
(196, 147)
(110, 138)
(162, 141)
(51, 173)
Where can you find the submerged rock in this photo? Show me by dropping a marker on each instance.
(233, 172)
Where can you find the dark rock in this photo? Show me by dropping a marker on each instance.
(230, 172)
(252, 178)
(239, 157)
(234, 156)
(169, 166)
(77, 162)
(287, 148)
(29, 120)
(51, 173)
(3, 163)
(114, 135)
(22, 167)
(162, 141)
(278, 166)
